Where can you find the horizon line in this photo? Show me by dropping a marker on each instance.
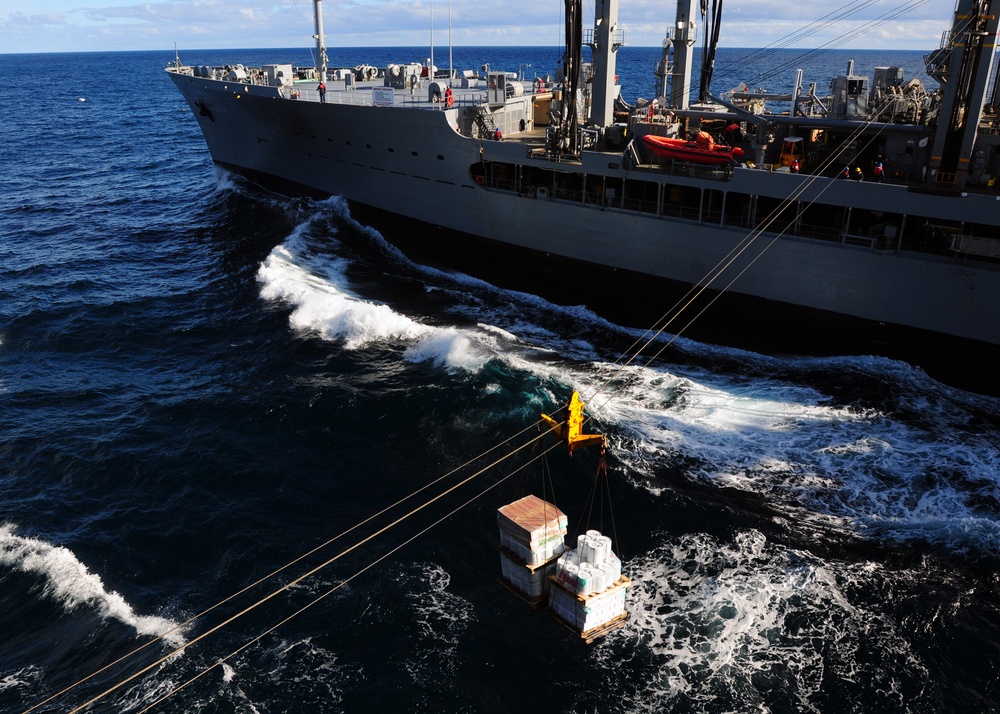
(308, 48)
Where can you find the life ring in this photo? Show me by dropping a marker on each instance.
(480, 180)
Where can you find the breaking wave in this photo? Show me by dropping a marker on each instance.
(72, 585)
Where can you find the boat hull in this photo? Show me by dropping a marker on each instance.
(682, 150)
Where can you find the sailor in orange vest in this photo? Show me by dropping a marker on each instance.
(879, 171)
(846, 173)
(498, 135)
(795, 166)
(449, 98)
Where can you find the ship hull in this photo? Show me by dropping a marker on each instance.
(411, 167)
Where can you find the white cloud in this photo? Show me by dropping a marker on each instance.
(63, 25)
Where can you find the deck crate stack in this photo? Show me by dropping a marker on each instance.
(532, 537)
(588, 588)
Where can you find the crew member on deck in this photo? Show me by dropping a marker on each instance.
(879, 171)
(322, 92)
(498, 135)
(449, 98)
(858, 175)
(795, 166)
(846, 173)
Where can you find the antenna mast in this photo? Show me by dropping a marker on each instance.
(320, 40)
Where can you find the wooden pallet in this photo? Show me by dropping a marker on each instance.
(594, 633)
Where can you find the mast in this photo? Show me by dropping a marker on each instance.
(604, 45)
(969, 49)
(320, 40)
(683, 42)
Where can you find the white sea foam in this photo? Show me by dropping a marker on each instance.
(871, 473)
(22, 679)
(70, 583)
(443, 618)
(224, 180)
(725, 623)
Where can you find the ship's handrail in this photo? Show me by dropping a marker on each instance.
(363, 98)
(858, 240)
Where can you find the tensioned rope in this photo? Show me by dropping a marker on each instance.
(284, 567)
(341, 584)
(394, 550)
(299, 579)
(837, 16)
(868, 26)
(817, 25)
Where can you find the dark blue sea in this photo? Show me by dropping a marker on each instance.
(209, 391)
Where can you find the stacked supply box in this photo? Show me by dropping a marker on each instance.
(588, 592)
(532, 533)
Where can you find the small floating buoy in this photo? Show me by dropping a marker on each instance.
(81, 99)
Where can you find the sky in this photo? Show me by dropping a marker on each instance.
(102, 25)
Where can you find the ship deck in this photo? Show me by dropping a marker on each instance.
(361, 93)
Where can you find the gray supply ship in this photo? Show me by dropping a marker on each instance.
(631, 207)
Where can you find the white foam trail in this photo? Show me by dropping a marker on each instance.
(70, 583)
(856, 469)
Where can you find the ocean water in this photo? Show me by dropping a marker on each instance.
(213, 401)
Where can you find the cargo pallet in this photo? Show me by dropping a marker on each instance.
(598, 631)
